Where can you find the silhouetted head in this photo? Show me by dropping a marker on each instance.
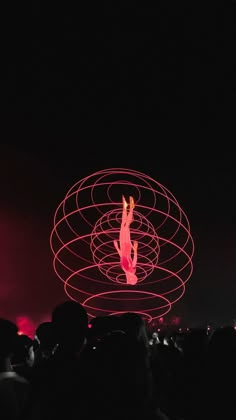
(133, 324)
(24, 351)
(120, 374)
(222, 340)
(45, 336)
(101, 325)
(8, 338)
(70, 322)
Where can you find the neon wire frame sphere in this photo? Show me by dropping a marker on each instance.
(98, 268)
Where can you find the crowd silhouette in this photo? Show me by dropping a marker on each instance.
(116, 369)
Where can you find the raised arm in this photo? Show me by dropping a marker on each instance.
(135, 248)
(117, 247)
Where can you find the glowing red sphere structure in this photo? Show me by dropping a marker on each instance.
(88, 221)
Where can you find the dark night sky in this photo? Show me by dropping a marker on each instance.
(121, 86)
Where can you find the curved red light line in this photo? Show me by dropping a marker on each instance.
(173, 200)
(91, 206)
(151, 295)
(101, 251)
(65, 246)
(135, 312)
(78, 272)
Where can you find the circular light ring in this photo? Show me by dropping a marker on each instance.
(171, 295)
(87, 222)
(111, 304)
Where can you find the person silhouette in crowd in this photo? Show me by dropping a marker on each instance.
(59, 382)
(14, 388)
(24, 356)
(121, 384)
(45, 341)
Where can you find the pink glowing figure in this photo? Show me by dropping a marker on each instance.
(128, 263)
